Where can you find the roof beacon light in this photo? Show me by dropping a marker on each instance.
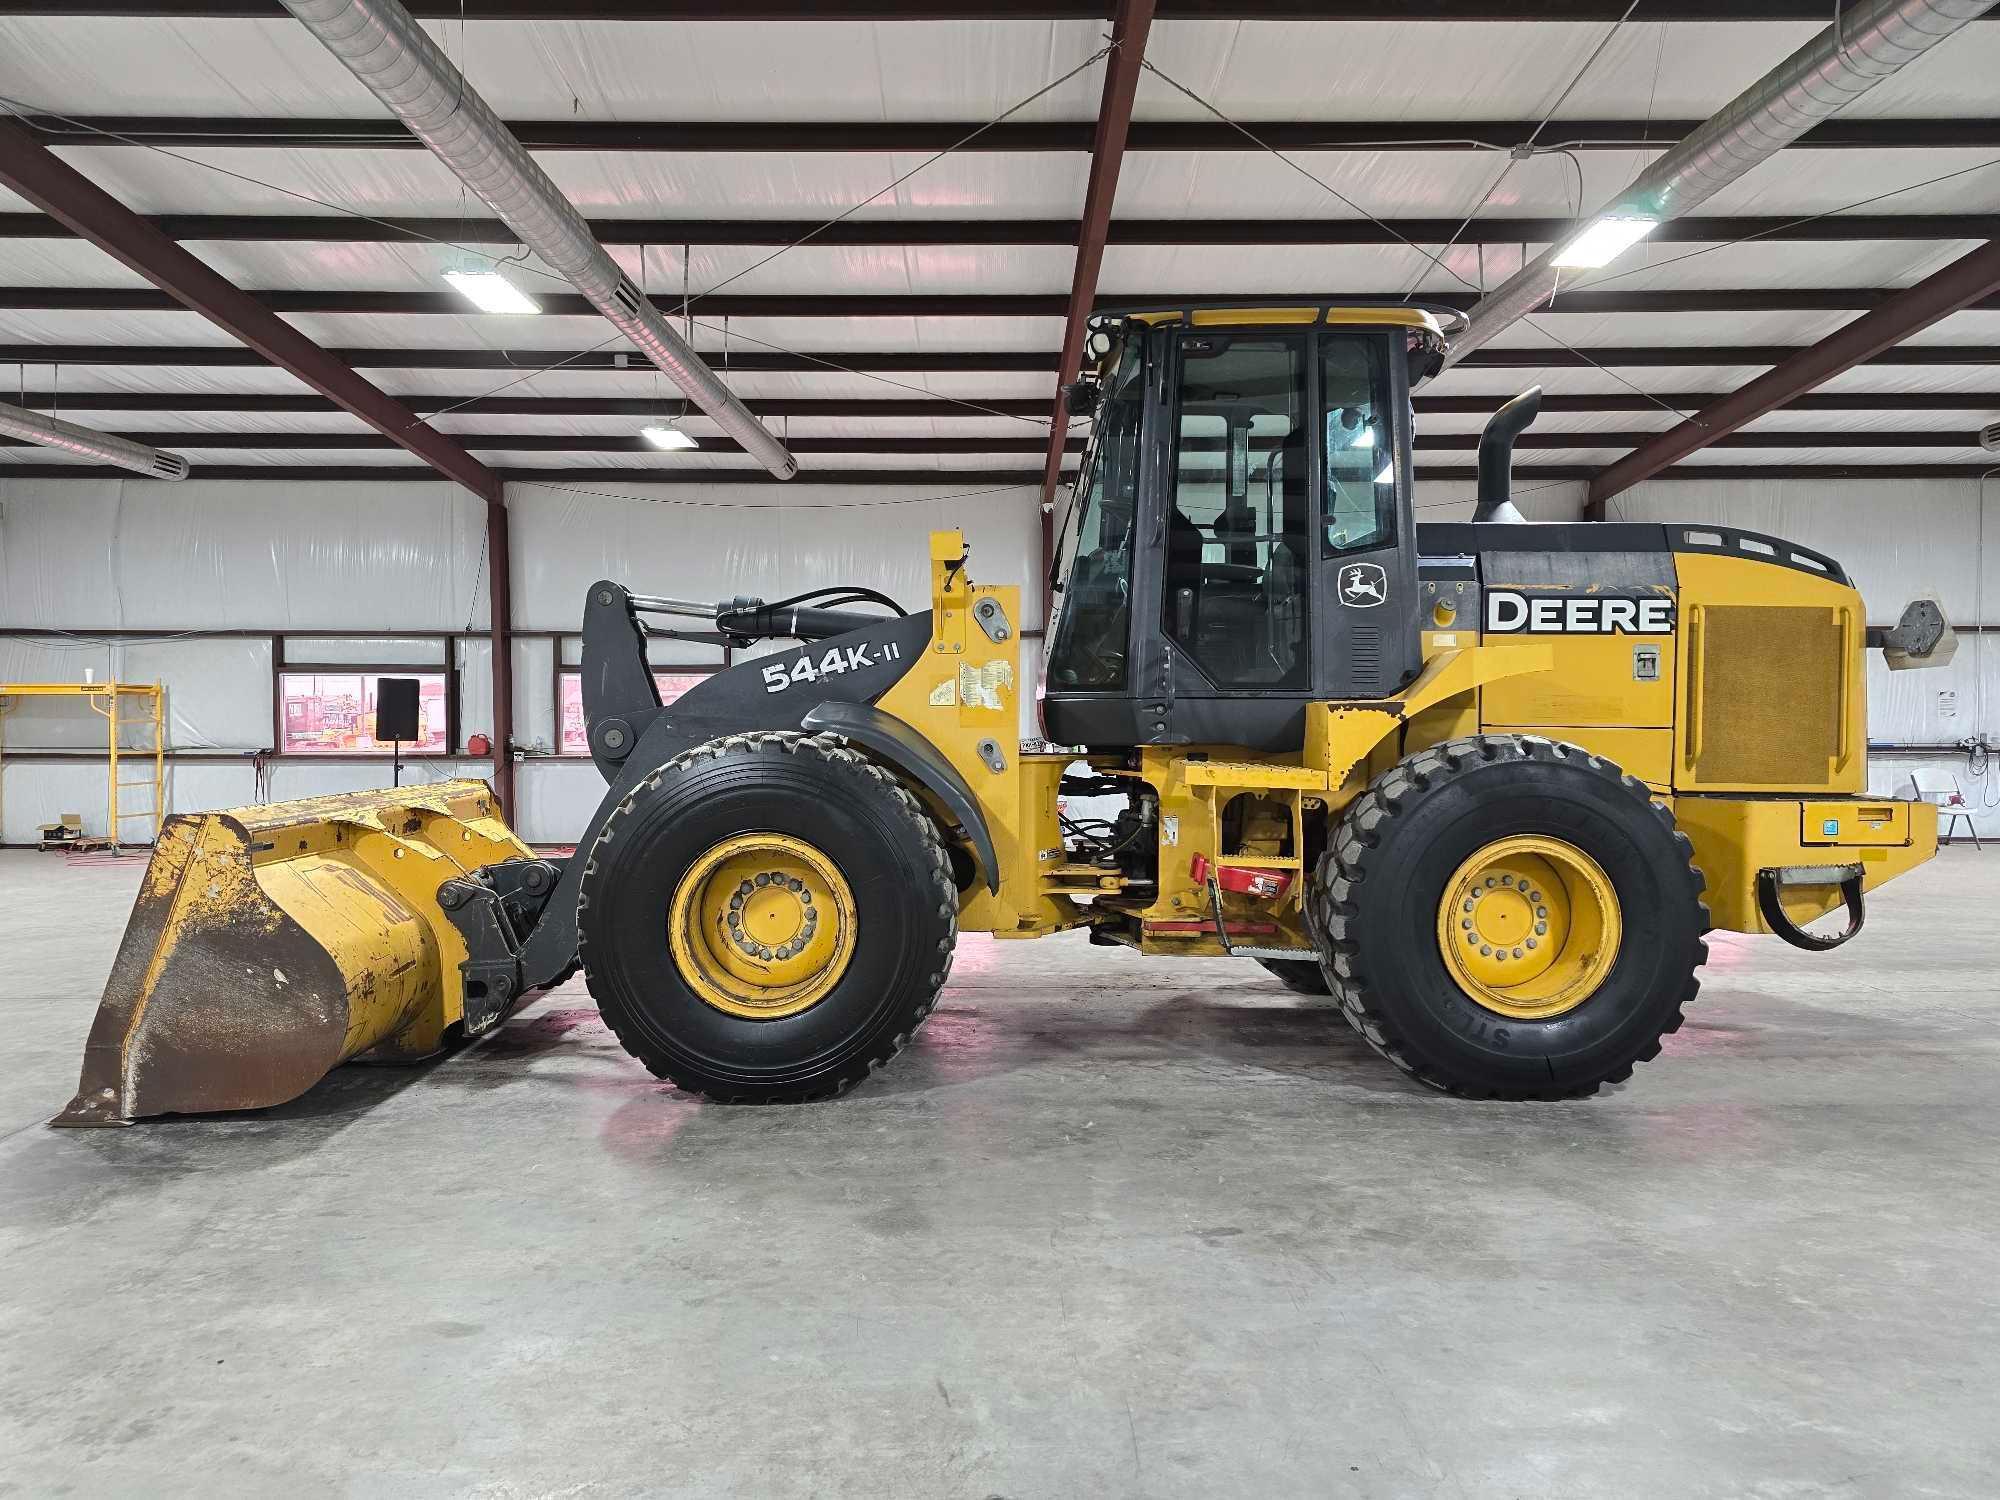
(1603, 242)
(491, 292)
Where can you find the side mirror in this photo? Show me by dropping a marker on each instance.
(1081, 398)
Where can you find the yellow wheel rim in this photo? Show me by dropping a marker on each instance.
(762, 925)
(1529, 927)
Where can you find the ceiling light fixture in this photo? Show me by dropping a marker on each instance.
(491, 292)
(1603, 242)
(668, 439)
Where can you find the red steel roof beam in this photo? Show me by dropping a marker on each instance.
(1129, 27)
(59, 190)
(1939, 295)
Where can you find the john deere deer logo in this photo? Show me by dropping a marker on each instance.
(1363, 585)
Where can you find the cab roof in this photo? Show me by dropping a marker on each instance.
(1221, 312)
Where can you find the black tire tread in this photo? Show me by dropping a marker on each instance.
(1302, 976)
(827, 747)
(1333, 919)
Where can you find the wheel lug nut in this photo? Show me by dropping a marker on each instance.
(1541, 913)
(1485, 951)
(1541, 929)
(1531, 942)
(1517, 953)
(1506, 879)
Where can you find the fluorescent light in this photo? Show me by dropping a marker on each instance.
(1603, 242)
(491, 292)
(668, 439)
(1387, 475)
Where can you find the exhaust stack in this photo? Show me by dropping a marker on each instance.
(1496, 456)
(53, 432)
(384, 47)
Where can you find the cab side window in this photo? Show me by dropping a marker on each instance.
(1360, 502)
(1094, 591)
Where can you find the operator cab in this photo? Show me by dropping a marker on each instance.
(1240, 542)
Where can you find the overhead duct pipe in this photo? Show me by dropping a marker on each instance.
(384, 47)
(53, 432)
(1865, 45)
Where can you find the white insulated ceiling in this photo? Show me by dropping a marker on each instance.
(829, 73)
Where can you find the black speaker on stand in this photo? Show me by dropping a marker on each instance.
(396, 716)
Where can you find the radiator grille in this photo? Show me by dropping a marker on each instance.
(1770, 688)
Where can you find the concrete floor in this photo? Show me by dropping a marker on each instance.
(1111, 1228)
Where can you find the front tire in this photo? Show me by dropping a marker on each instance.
(767, 918)
(1572, 901)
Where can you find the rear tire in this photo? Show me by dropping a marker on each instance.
(1302, 976)
(1377, 909)
(880, 849)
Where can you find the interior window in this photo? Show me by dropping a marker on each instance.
(332, 712)
(1360, 445)
(1239, 536)
(1094, 589)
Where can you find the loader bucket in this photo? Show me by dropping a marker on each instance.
(270, 944)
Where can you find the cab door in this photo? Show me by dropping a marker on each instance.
(1238, 526)
(1367, 636)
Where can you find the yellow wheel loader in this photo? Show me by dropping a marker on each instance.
(1485, 784)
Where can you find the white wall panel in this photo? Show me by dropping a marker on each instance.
(34, 723)
(218, 690)
(712, 542)
(33, 792)
(1891, 776)
(36, 792)
(534, 690)
(1937, 705)
(395, 555)
(369, 651)
(554, 799)
(1454, 500)
(303, 777)
(475, 689)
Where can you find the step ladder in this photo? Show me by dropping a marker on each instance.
(139, 707)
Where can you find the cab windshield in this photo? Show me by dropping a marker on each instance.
(1093, 580)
